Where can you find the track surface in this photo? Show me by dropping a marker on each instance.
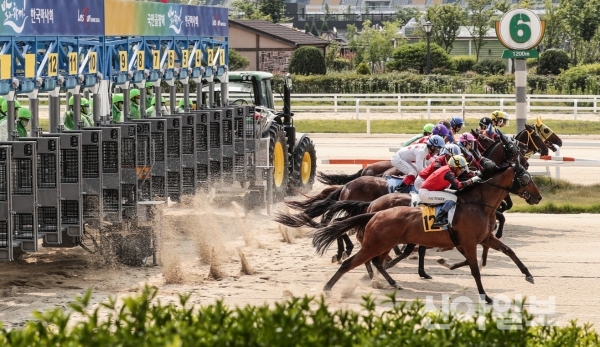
(559, 250)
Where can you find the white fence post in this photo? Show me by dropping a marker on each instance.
(369, 121)
(528, 104)
(399, 104)
(464, 103)
(557, 168)
(595, 104)
(357, 107)
(502, 105)
(335, 104)
(575, 110)
(428, 108)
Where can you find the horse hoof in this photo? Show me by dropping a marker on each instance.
(397, 286)
(344, 256)
(425, 276)
(498, 235)
(443, 263)
(335, 259)
(348, 252)
(488, 300)
(529, 279)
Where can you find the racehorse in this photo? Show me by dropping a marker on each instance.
(528, 136)
(474, 216)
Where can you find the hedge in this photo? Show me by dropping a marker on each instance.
(140, 321)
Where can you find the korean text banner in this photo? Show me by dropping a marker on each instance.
(52, 18)
(129, 18)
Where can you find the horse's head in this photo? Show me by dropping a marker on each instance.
(523, 185)
(483, 140)
(513, 151)
(547, 135)
(532, 140)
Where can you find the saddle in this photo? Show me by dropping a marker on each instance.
(394, 181)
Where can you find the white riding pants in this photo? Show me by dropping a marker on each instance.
(419, 183)
(435, 197)
(404, 166)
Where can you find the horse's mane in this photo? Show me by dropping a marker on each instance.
(490, 148)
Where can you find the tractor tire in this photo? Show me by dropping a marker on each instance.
(278, 159)
(305, 167)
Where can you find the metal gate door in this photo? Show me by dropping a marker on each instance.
(48, 188)
(23, 190)
(227, 144)
(202, 157)
(158, 171)
(143, 159)
(188, 153)
(6, 244)
(251, 131)
(215, 151)
(91, 167)
(174, 176)
(111, 173)
(129, 176)
(239, 145)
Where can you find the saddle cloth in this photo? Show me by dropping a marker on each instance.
(429, 212)
(394, 181)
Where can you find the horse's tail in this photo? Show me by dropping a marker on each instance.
(320, 207)
(295, 220)
(324, 237)
(335, 179)
(350, 208)
(324, 194)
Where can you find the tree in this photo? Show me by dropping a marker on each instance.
(308, 60)
(324, 27)
(581, 19)
(363, 69)
(553, 61)
(331, 53)
(555, 26)
(273, 9)
(404, 14)
(414, 56)
(481, 11)
(373, 46)
(246, 9)
(313, 29)
(306, 27)
(237, 61)
(447, 20)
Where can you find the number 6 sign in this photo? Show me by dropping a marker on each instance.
(520, 29)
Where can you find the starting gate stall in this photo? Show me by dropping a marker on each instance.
(202, 153)
(143, 159)
(6, 235)
(188, 153)
(174, 161)
(158, 170)
(129, 175)
(48, 188)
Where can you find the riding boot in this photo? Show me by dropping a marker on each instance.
(442, 217)
(400, 188)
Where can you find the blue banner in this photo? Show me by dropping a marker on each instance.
(52, 17)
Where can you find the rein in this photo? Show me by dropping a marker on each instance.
(529, 153)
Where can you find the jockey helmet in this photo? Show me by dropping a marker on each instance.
(466, 137)
(428, 128)
(458, 162)
(440, 130)
(456, 122)
(499, 117)
(450, 149)
(435, 141)
(485, 122)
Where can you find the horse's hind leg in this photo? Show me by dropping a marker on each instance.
(349, 245)
(378, 262)
(492, 242)
(338, 257)
(464, 262)
(501, 220)
(408, 249)
(422, 273)
(369, 269)
(470, 253)
(399, 251)
(358, 259)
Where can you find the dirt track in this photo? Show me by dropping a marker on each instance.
(559, 250)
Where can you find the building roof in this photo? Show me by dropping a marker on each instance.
(279, 32)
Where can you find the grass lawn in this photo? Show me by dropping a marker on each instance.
(415, 126)
(560, 196)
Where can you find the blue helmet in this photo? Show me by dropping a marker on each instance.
(441, 130)
(451, 149)
(456, 122)
(436, 141)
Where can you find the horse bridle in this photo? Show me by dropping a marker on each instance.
(528, 154)
(522, 179)
(543, 135)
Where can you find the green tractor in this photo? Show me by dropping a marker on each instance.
(292, 155)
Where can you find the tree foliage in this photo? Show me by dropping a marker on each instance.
(555, 26)
(324, 27)
(308, 60)
(237, 61)
(313, 29)
(246, 9)
(414, 57)
(274, 9)
(447, 20)
(373, 45)
(404, 14)
(553, 61)
(363, 69)
(479, 22)
(490, 67)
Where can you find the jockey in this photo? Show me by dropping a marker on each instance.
(446, 153)
(426, 132)
(433, 192)
(456, 123)
(466, 142)
(413, 159)
(499, 119)
(484, 123)
(438, 129)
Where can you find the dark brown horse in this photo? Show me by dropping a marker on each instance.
(475, 216)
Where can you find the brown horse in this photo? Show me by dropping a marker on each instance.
(475, 216)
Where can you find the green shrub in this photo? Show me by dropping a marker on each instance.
(531, 62)
(302, 322)
(539, 83)
(340, 64)
(414, 56)
(553, 61)
(464, 63)
(500, 84)
(490, 67)
(579, 79)
(324, 27)
(308, 60)
(363, 69)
